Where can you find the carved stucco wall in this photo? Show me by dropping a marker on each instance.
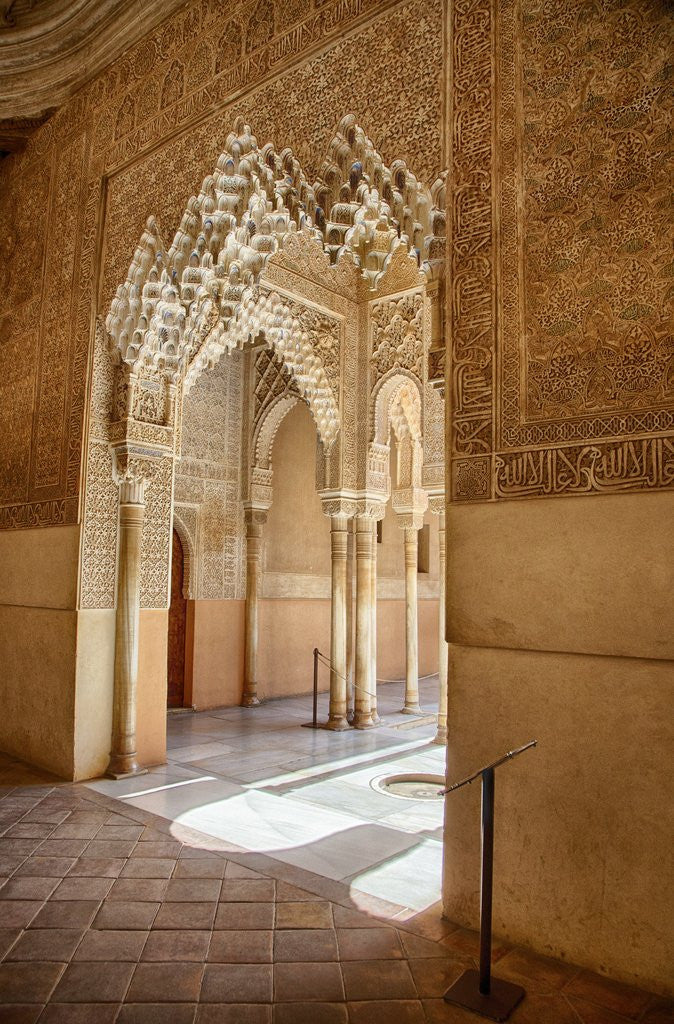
(142, 134)
(562, 379)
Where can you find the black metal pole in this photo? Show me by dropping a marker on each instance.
(486, 879)
(315, 719)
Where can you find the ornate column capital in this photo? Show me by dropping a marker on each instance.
(339, 506)
(409, 505)
(368, 508)
(436, 504)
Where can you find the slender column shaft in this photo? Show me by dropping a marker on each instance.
(373, 629)
(363, 707)
(254, 522)
(443, 646)
(339, 545)
(411, 705)
(350, 643)
(123, 757)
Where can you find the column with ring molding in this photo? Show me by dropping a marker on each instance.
(411, 705)
(363, 708)
(123, 754)
(373, 629)
(255, 520)
(338, 623)
(443, 646)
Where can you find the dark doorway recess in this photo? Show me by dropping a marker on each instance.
(177, 619)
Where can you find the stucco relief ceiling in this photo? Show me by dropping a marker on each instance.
(49, 48)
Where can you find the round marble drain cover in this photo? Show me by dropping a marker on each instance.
(411, 787)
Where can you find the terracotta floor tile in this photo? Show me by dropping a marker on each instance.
(27, 982)
(588, 1013)
(8, 937)
(47, 867)
(308, 982)
(303, 915)
(237, 983)
(610, 994)
(97, 867)
(119, 832)
(21, 1013)
(122, 945)
(65, 914)
(287, 893)
(305, 945)
(241, 947)
(62, 847)
(433, 976)
(208, 867)
(311, 1013)
(45, 944)
(387, 1011)
(347, 918)
(30, 830)
(148, 867)
(535, 972)
(167, 848)
(233, 870)
(467, 943)
(109, 848)
(415, 946)
(15, 847)
(28, 887)
(140, 889)
(75, 830)
(192, 890)
(166, 946)
(103, 982)
(378, 979)
(185, 915)
(18, 913)
(73, 888)
(369, 944)
(156, 1013)
(165, 983)
(120, 915)
(439, 1012)
(660, 1011)
(244, 915)
(79, 1013)
(247, 890)
(233, 1013)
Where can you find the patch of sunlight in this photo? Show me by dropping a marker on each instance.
(161, 789)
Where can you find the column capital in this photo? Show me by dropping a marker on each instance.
(409, 505)
(436, 504)
(254, 515)
(338, 506)
(370, 509)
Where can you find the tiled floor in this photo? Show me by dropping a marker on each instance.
(106, 916)
(254, 778)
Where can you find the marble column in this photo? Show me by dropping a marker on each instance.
(411, 706)
(255, 520)
(373, 629)
(123, 756)
(363, 708)
(443, 646)
(338, 640)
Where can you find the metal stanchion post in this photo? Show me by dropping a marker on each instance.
(477, 990)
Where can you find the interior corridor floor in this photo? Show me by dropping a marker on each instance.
(111, 912)
(254, 778)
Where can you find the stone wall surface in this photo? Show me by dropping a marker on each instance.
(559, 383)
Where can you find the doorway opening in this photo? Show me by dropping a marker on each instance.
(177, 624)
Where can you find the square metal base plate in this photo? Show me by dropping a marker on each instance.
(498, 1005)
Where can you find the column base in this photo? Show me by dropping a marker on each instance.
(440, 738)
(250, 700)
(124, 767)
(338, 723)
(411, 709)
(363, 722)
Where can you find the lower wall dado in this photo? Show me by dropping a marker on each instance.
(582, 823)
(289, 631)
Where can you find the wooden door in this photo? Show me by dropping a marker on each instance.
(176, 628)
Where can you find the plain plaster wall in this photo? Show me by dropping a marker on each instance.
(539, 593)
(38, 631)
